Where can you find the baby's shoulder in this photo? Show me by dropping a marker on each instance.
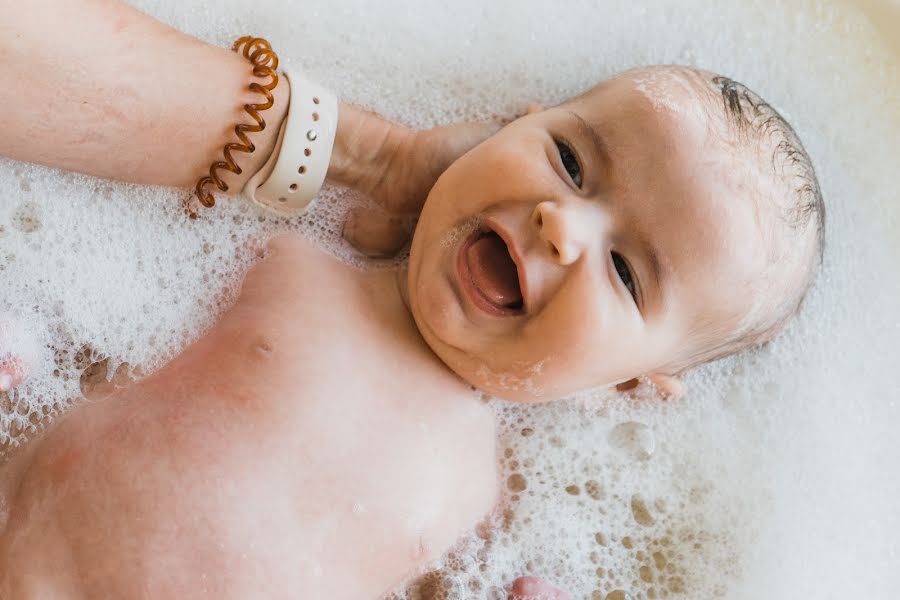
(292, 274)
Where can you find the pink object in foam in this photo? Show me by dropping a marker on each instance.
(18, 352)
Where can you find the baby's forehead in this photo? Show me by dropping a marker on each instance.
(660, 121)
(669, 105)
(676, 90)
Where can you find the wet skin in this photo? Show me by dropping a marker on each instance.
(310, 442)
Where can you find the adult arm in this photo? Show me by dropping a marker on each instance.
(98, 87)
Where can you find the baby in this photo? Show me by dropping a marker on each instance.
(662, 219)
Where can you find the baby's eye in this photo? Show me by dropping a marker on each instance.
(570, 162)
(624, 274)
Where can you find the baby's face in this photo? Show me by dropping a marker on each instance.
(587, 244)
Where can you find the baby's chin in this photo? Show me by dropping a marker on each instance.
(479, 362)
(520, 384)
(510, 386)
(525, 383)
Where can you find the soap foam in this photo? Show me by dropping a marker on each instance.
(775, 477)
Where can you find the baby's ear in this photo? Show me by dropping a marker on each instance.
(670, 385)
(627, 385)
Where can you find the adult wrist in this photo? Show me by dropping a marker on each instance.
(364, 148)
(319, 138)
(264, 141)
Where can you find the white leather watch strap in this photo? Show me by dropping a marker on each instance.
(302, 152)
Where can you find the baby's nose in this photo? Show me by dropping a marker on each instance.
(563, 230)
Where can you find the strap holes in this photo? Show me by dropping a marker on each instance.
(315, 116)
(282, 199)
(301, 170)
(293, 187)
(315, 99)
(307, 152)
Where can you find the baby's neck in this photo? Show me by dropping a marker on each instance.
(389, 293)
(401, 279)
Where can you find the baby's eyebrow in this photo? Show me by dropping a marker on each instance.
(589, 132)
(658, 273)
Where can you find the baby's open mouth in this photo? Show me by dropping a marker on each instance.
(490, 274)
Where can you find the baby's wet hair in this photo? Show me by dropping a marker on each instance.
(749, 114)
(752, 123)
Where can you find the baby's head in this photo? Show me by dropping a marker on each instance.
(665, 218)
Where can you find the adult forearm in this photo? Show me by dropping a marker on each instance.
(98, 87)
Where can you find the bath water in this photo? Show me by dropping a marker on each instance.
(775, 477)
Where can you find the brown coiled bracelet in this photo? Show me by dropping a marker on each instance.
(265, 62)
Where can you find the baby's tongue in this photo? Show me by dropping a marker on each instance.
(493, 270)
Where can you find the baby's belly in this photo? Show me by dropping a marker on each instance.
(210, 495)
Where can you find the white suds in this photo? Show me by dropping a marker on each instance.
(776, 477)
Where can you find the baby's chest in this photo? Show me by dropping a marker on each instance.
(341, 492)
(363, 476)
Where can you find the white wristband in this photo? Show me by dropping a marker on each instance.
(302, 151)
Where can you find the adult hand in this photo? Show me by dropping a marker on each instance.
(398, 176)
